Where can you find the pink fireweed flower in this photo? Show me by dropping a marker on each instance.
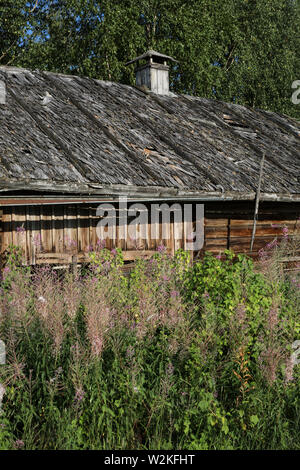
(285, 232)
(100, 244)
(273, 318)
(19, 444)
(272, 244)
(79, 394)
(161, 248)
(37, 240)
(174, 293)
(20, 229)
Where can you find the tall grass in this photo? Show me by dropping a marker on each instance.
(175, 356)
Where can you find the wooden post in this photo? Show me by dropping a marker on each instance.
(257, 202)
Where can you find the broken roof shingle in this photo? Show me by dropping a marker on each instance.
(95, 134)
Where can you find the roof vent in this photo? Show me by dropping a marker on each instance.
(2, 92)
(153, 73)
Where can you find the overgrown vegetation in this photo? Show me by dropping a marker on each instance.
(175, 356)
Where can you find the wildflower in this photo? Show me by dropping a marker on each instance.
(42, 299)
(70, 242)
(261, 253)
(129, 353)
(206, 294)
(273, 318)
(37, 240)
(114, 251)
(219, 257)
(285, 232)
(19, 444)
(174, 293)
(79, 394)
(272, 244)
(100, 244)
(165, 278)
(20, 229)
(161, 248)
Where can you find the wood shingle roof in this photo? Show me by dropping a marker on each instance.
(69, 134)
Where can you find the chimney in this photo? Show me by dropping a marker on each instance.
(153, 72)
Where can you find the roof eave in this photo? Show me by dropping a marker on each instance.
(146, 193)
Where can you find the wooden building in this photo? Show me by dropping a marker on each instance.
(69, 143)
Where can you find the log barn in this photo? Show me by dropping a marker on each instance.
(70, 143)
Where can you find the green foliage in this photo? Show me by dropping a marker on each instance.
(241, 51)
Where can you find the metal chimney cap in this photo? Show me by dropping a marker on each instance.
(150, 54)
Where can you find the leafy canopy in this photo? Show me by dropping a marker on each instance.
(242, 51)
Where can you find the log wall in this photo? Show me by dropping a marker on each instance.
(55, 233)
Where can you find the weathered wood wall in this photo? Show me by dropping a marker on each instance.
(55, 233)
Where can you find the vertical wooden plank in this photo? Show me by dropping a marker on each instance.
(34, 244)
(70, 229)
(93, 227)
(83, 228)
(151, 242)
(58, 228)
(121, 227)
(19, 229)
(6, 227)
(46, 228)
(172, 241)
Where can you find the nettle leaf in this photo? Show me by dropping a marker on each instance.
(254, 420)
